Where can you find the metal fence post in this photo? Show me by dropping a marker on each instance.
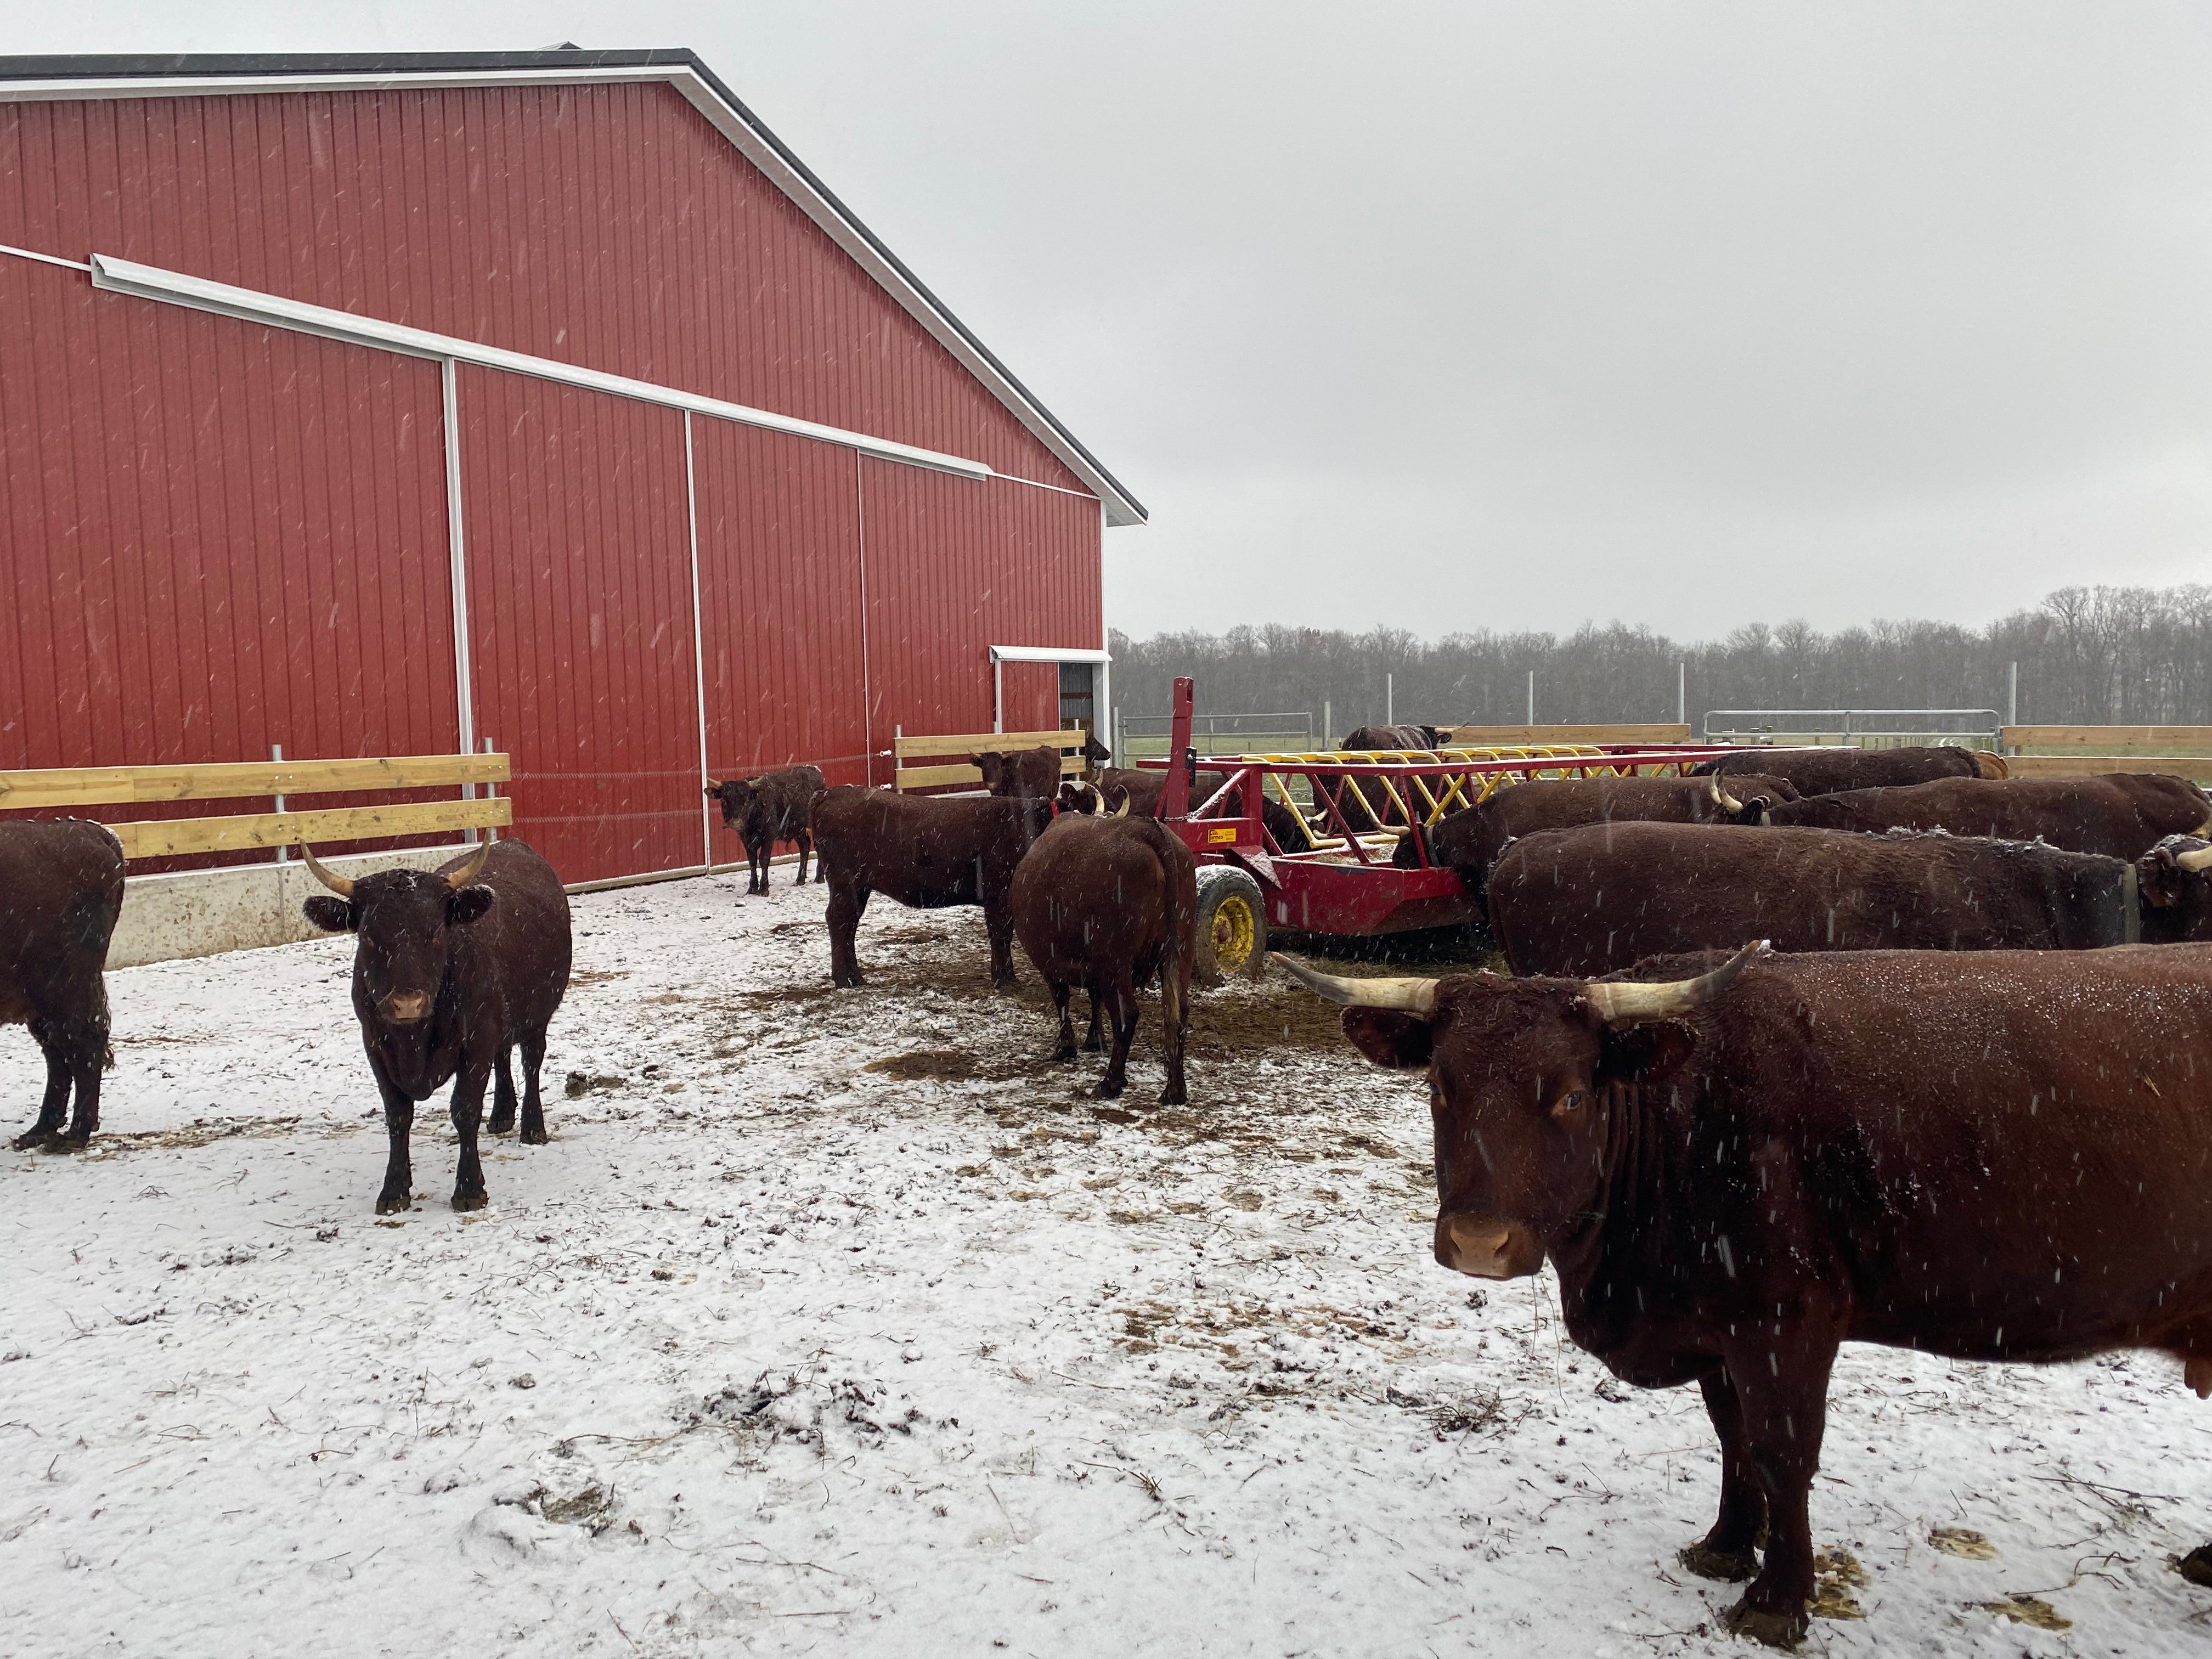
(276, 753)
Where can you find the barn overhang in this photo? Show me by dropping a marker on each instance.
(61, 78)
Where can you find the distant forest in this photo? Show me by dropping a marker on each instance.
(2088, 656)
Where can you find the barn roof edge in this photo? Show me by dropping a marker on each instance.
(222, 65)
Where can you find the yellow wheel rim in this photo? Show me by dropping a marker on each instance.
(1235, 932)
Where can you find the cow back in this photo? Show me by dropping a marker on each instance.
(1594, 898)
(925, 851)
(2118, 815)
(1824, 771)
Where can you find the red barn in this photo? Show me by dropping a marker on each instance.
(542, 401)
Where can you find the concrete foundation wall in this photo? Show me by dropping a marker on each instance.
(198, 913)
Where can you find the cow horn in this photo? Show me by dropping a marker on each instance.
(468, 872)
(1124, 812)
(2201, 859)
(1722, 799)
(342, 885)
(1621, 1004)
(1411, 996)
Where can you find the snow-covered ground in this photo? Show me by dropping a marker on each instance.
(848, 1322)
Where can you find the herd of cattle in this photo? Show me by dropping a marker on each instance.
(1955, 1096)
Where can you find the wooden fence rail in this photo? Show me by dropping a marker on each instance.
(2085, 750)
(108, 786)
(903, 749)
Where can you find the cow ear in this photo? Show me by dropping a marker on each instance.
(1645, 1053)
(713, 791)
(332, 913)
(1389, 1037)
(468, 904)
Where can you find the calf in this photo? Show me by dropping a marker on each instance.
(1846, 766)
(1108, 903)
(1991, 1157)
(2122, 815)
(1020, 773)
(61, 889)
(766, 809)
(924, 852)
(454, 968)
(1597, 897)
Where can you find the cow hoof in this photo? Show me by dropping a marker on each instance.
(1110, 1089)
(2197, 1566)
(30, 1139)
(536, 1137)
(1174, 1096)
(500, 1126)
(58, 1144)
(1066, 1051)
(1777, 1630)
(470, 1200)
(394, 1203)
(1729, 1566)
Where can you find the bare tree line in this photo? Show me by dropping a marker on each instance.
(2088, 656)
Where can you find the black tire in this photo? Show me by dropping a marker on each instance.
(1230, 933)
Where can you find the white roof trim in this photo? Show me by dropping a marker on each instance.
(1120, 509)
(151, 283)
(1044, 653)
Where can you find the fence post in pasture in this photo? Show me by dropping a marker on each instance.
(276, 753)
(1389, 700)
(491, 792)
(1532, 697)
(1327, 723)
(1681, 693)
(2011, 699)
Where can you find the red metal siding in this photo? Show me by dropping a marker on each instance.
(213, 538)
(607, 226)
(955, 567)
(779, 604)
(580, 620)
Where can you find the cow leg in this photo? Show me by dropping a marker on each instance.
(1726, 1551)
(1065, 1049)
(467, 1110)
(846, 901)
(85, 1065)
(1123, 1011)
(999, 924)
(1783, 1387)
(533, 1104)
(502, 1094)
(53, 1109)
(1094, 1039)
(806, 846)
(757, 866)
(398, 1193)
(1175, 1016)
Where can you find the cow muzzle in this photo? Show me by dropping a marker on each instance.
(1486, 1247)
(406, 1008)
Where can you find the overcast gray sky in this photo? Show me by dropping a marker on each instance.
(1461, 316)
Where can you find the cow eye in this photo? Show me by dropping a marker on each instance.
(1569, 1101)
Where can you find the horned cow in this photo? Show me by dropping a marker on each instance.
(453, 969)
(1735, 1170)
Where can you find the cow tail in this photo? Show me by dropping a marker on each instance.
(1174, 971)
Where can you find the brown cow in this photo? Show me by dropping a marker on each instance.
(1469, 842)
(61, 889)
(1142, 791)
(2122, 815)
(2174, 879)
(1846, 766)
(1391, 740)
(1595, 898)
(926, 852)
(1108, 903)
(766, 809)
(455, 968)
(1988, 1156)
(1034, 774)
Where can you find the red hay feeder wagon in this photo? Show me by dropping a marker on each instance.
(1347, 884)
